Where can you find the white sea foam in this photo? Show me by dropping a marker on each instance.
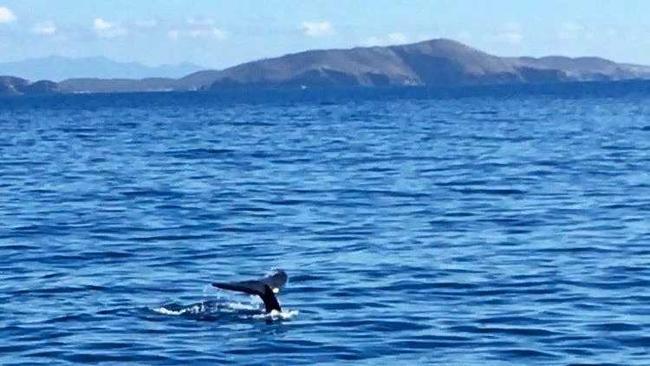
(240, 309)
(164, 311)
(241, 306)
(207, 307)
(274, 314)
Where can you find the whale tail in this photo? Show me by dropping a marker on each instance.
(265, 288)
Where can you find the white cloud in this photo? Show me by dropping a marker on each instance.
(612, 33)
(106, 29)
(6, 15)
(373, 41)
(317, 29)
(174, 34)
(570, 31)
(464, 36)
(512, 37)
(146, 23)
(101, 25)
(45, 28)
(511, 33)
(198, 32)
(200, 21)
(387, 40)
(397, 38)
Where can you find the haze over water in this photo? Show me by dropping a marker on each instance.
(414, 229)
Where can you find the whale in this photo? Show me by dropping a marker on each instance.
(265, 288)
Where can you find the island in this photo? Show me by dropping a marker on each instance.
(432, 63)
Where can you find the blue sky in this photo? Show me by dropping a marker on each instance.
(218, 33)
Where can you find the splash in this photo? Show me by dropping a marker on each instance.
(218, 308)
(278, 315)
(176, 310)
(165, 311)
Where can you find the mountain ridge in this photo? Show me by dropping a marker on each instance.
(431, 63)
(59, 68)
(438, 62)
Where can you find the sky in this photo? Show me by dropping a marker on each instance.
(219, 33)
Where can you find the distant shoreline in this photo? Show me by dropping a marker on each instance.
(561, 90)
(433, 63)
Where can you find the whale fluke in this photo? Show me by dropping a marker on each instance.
(265, 288)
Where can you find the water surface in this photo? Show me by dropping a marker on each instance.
(415, 230)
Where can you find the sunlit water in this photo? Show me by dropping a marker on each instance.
(475, 230)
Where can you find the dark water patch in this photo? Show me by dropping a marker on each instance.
(96, 358)
(163, 238)
(642, 342)
(526, 353)
(615, 327)
(20, 248)
(60, 290)
(511, 320)
(204, 153)
(490, 191)
(577, 250)
(463, 183)
(529, 332)
(150, 193)
(422, 345)
(72, 318)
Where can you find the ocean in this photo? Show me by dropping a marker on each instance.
(498, 226)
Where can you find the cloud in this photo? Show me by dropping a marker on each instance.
(511, 37)
(464, 36)
(207, 33)
(317, 29)
(570, 31)
(511, 33)
(146, 23)
(397, 38)
(200, 21)
(389, 39)
(6, 15)
(174, 34)
(204, 32)
(197, 28)
(45, 28)
(100, 24)
(106, 29)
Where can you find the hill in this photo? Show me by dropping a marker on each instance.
(433, 63)
(60, 68)
(438, 62)
(13, 86)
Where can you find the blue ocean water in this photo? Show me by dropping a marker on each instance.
(489, 228)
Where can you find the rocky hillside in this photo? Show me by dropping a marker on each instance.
(12, 86)
(434, 63)
(439, 62)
